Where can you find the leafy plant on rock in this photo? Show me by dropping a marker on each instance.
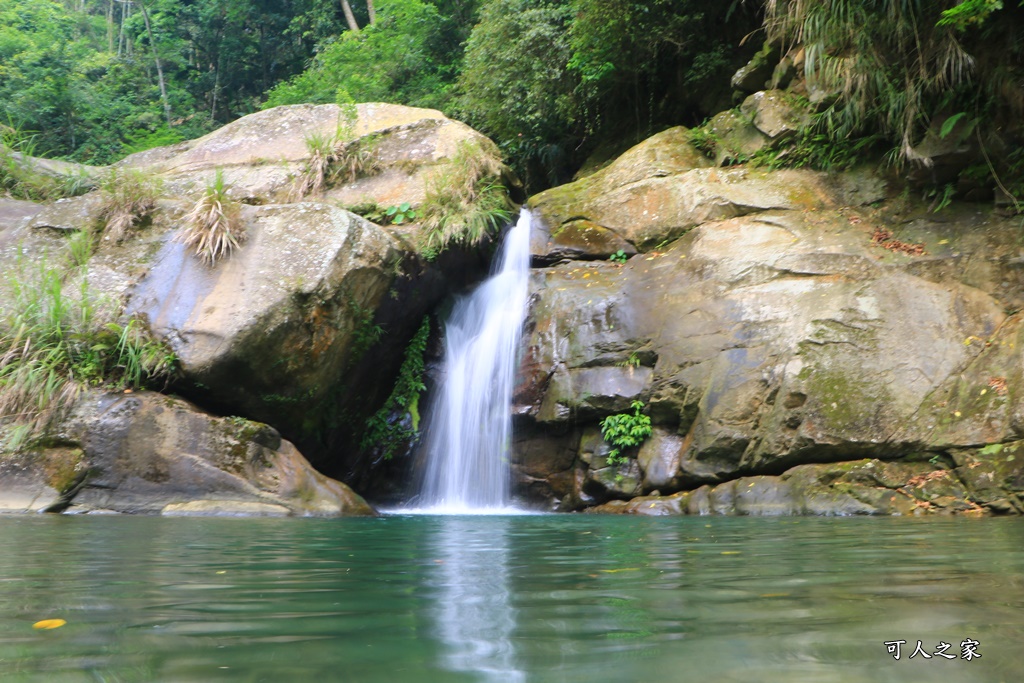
(386, 430)
(399, 214)
(625, 430)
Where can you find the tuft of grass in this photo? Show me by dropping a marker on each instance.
(53, 343)
(354, 159)
(314, 176)
(704, 140)
(129, 196)
(213, 228)
(21, 180)
(335, 158)
(465, 201)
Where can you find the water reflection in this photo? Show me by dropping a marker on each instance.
(474, 613)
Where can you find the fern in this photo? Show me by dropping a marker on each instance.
(624, 431)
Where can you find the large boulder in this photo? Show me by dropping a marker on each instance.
(304, 325)
(788, 334)
(262, 154)
(663, 187)
(148, 453)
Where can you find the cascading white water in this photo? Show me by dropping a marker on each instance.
(470, 427)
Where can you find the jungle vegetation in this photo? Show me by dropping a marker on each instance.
(552, 82)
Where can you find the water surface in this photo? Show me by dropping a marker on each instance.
(528, 598)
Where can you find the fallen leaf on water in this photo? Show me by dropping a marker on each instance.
(774, 595)
(616, 571)
(730, 552)
(47, 624)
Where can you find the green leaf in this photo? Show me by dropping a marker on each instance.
(950, 123)
(391, 211)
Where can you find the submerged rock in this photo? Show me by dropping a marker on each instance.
(861, 487)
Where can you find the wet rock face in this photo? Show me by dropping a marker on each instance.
(794, 333)
(148, 453)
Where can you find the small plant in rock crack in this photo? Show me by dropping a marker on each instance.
(625, 430)
(396, 215)
(619, 257)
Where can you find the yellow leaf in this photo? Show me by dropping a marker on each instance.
(730, 552)
(47, 624)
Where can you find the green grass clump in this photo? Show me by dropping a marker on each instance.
(465, 201)
(129, 196)
(335, 158)
(213, 228)
(55, 342)
(21, 180)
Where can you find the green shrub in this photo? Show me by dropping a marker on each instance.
(54, 342)
(625, 431)
(213, 227)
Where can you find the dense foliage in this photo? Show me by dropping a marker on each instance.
(84, 76)
(553, 82)
(918, 60)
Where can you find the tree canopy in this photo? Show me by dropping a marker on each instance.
(551, 81)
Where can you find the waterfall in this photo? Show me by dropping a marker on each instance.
(470, 428)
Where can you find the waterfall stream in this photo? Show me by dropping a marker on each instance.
(470, 428)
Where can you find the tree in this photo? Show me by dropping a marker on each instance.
(391, 60)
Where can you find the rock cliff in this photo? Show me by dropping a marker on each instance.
(802, 342)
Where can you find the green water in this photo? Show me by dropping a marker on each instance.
(532, 598)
